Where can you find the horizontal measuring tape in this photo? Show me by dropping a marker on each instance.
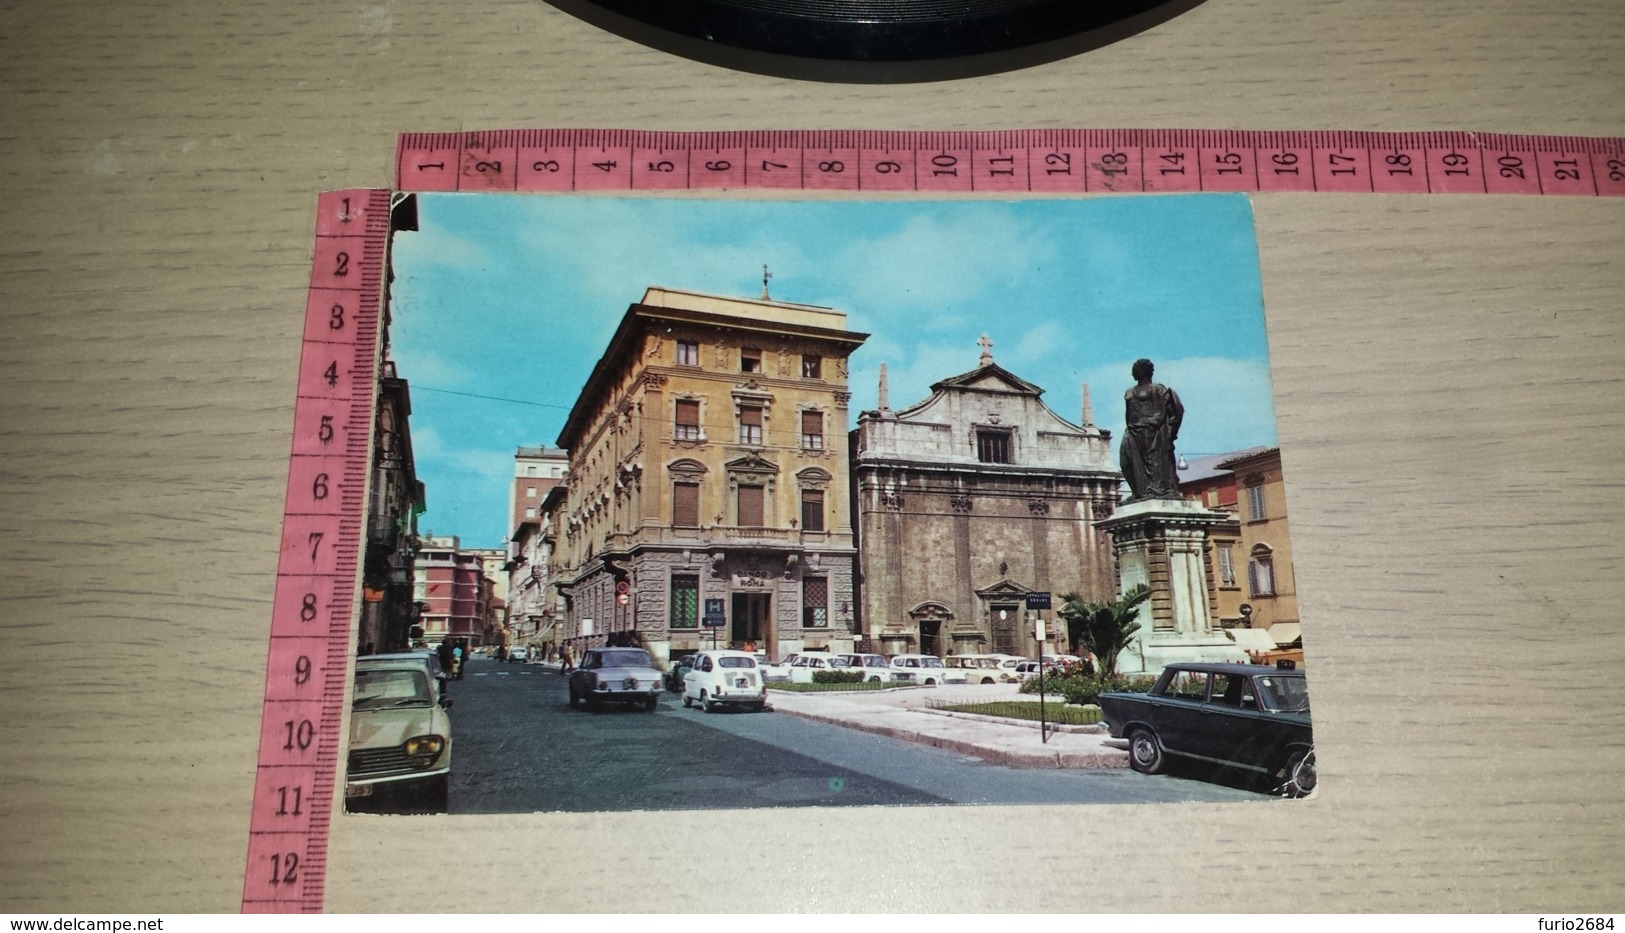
(315, 596)
(1018, 161)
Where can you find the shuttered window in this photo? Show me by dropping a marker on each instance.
(685, 508)
(812, 430)
(685, 601)
(812, 510)
(687, 427)
(815, 602)
(750, 426)
(751, 500)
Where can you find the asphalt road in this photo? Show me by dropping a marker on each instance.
(519, 747)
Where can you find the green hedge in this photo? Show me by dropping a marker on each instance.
(837, 677)
(832, 688)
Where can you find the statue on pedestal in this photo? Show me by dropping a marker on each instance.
(1153, 415)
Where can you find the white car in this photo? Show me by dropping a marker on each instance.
(925, 669)
(400, 735)
(724, 678)
(810, 662)
(875, 667)
(986, 668)
(776, 673)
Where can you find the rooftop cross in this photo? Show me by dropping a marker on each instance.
(987, 351)
(765, 276)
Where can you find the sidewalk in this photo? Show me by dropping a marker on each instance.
(902, 714)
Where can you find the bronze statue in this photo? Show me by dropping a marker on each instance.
(1153, 414)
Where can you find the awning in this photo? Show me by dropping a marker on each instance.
(1285, 633)
(1251, 639)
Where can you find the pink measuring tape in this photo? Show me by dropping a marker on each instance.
(1038, 161)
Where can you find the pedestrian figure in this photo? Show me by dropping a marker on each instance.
(565, 666)
(457, 655)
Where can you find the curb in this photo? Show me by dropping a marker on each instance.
(1015, 759)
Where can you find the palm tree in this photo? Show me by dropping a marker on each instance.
(1105, 629)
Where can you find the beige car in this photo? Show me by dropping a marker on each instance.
(400, 735)
(985, 668)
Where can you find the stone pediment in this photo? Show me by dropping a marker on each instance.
(931, 610)
(1004, 589)
(991, 377)
(752, 463)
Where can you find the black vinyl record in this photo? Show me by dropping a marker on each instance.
(875, 41)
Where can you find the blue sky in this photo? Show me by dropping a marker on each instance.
(515, 297)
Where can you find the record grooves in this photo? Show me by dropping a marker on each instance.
(875, 41)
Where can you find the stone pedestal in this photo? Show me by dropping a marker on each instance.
(1161, 543)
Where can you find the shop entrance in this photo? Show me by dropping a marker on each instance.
(751, 613)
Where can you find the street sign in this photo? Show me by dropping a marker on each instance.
(1038, 630)
(1037, 600)
(713, 614)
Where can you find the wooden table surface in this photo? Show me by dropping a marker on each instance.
(1449, 381)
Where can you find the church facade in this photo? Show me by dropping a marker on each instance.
(970, 500)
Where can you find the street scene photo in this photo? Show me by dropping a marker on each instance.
(718, 504)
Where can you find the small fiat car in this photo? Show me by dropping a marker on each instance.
(925, 669)
(615, 675)
(400, 735)
(725, 678)
(875, 667)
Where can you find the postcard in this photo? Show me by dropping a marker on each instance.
(716, 504)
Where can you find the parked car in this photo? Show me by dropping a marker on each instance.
(519, 654)
(615, 675)
(875, 667)
(400, 735)
(919, 669)
(808, 663)
(1239, 715)
(725, 678)
(780, 672)
(985, 668)
(428, 657)
(677, 672)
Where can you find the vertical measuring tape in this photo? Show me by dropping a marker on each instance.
(314, 602)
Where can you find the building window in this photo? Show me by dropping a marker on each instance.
(1255, 504)
(815, 602)
(1227, 567)
(812, 430)
(812, 367)
(530, 492)
(685, 509)
(687, 426)
(993, 446)
(752, 500)
(750, 360)
(685, 601)
(688, 353)
(530, 470)
(750, 426)
(1261, 571)
(530, 513)
(812, 510)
